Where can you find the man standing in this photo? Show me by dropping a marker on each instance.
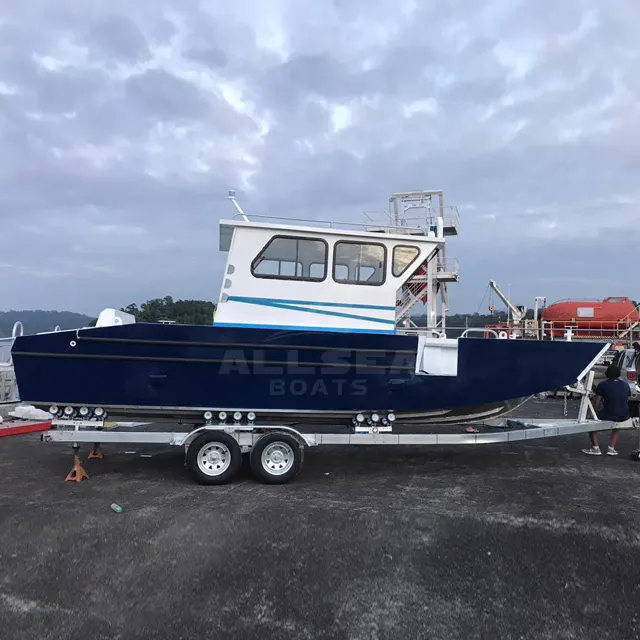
(611, 404)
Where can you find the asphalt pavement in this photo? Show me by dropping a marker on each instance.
(522, 541)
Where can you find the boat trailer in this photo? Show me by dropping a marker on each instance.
(214, 452)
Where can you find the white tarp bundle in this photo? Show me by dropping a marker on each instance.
(27, 412)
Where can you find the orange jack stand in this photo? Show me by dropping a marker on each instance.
(96, 452)
(77, 473)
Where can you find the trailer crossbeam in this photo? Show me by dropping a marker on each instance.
(530, 430)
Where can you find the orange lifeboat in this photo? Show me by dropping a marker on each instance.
(590, 319)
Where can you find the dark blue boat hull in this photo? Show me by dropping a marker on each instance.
(141, 368)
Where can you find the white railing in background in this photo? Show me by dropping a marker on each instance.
(8, 386)
(448, 266)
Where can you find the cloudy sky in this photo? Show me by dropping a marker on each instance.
(124, 124)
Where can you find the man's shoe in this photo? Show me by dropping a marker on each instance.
(611, 451)
(592, 451)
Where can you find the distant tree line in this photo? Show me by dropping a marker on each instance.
(170, 310)
(456, 323)
(199, 312)
(156, 310)
(468, 319)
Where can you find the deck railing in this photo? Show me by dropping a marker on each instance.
(428, 220)
(585, 330)
(390, 227)
(450, 216)
(8, 388)
(5, 351)
(449, 266)
(500, 330)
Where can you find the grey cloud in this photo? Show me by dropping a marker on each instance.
(64, 91)
(309, 75)
(552, 269)
(554, 18)
(399, 74)
(120, 159)
(159, 95)
(164, 96)
(227, 47)
(466, 94)
(49, 91)
(161, 30)
(209, 56)
(118, 38)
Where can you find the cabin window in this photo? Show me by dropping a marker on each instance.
(359, 263)
(292, 258)
(285, 268)
(317, 270)
(402, 259)
(340, 272)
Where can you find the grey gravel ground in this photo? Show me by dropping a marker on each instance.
(506, 541)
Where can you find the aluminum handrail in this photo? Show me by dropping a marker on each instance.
(482, 330)
(336, 224)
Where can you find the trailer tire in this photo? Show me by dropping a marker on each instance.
(276, 458)
(214, 458)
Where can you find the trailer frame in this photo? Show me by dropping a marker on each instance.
(276, 451)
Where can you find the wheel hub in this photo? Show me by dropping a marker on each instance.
(277, 458)
(214, 458)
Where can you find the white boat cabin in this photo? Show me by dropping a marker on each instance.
(313, 278)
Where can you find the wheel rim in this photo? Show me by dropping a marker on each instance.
(277, 458)
(214, 458)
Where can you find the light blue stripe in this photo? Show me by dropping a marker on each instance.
(266, 302)
(314, 303)
(234, 325)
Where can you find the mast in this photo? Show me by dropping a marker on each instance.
(232, 197)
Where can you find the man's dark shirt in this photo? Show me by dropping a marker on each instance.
(615, 395)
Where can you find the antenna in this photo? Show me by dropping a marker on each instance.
(232, 197)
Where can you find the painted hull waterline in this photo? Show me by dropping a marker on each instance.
(284, 375)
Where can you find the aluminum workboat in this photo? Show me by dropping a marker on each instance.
(306, 329)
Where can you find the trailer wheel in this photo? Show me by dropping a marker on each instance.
(276, 458)
(214, 458)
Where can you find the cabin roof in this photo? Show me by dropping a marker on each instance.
(227, 227)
